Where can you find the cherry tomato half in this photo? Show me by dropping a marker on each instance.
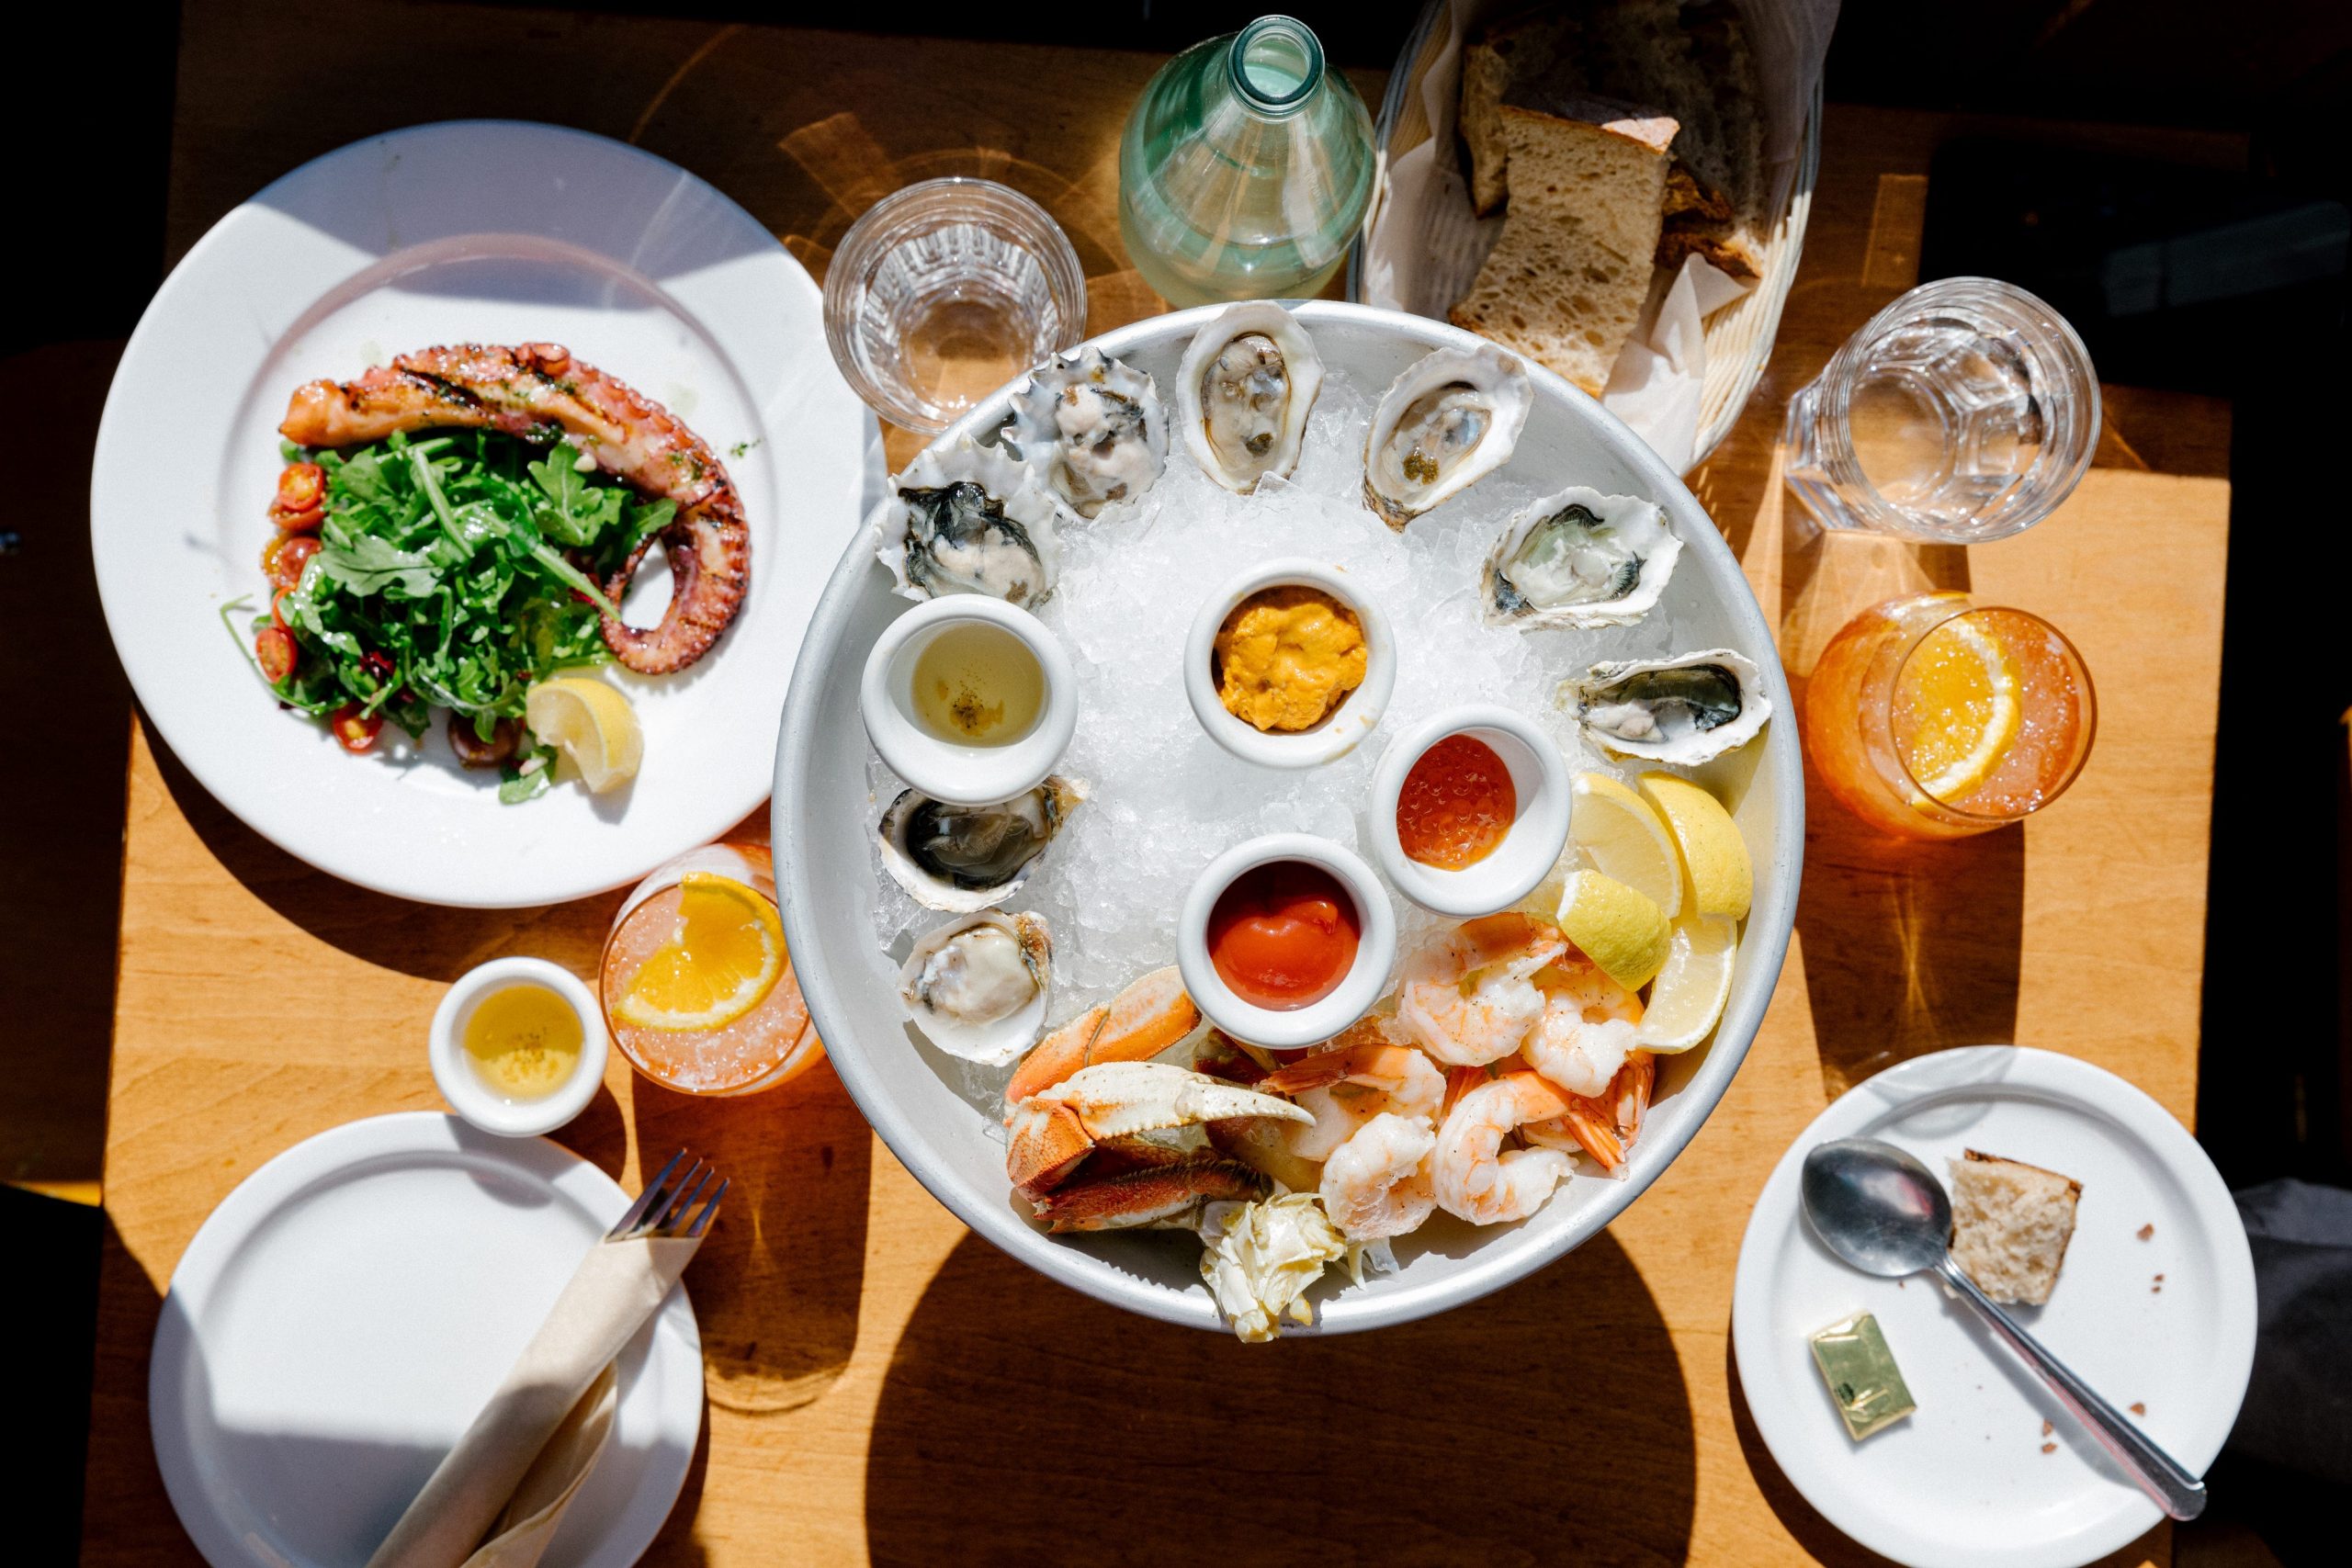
(285, 556)
(380, 667)
(355, 730)
(301, 488)
(277, 608)
(476, 752)
(274, 650)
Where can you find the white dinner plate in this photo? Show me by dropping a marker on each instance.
(343, 1316)
(1964, 1482)
(485, 231)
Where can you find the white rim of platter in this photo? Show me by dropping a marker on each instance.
(340, 1318)
(486, 232)
(1963, 1481)
(826, 873)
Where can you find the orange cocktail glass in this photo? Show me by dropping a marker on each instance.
(1929, 718)
(772, 1043)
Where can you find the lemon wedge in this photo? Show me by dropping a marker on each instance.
(1714, 856)
(1619, 927)
(591, 723)
(723, 960)
(1625, 840)
(1961, 686)
(1693, 987)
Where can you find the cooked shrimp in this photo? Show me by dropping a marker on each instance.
(1344, 1089)
(1472, 1176)
(1471, 998)
(1378, 1182)
(1587, 1028)
(1603, 1127)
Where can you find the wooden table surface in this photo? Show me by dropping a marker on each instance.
(883, 1385)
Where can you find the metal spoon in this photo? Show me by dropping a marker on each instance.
(1885, 1213)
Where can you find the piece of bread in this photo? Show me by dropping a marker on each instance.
(1524, 46)
(2010, 1224)
(1566, 283)
(1689, 60)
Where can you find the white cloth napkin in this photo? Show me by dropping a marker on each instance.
(496, 1499)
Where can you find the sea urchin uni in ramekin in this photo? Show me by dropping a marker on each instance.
(1308, 617)
(1286, 940)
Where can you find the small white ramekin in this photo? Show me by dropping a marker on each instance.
(475, 1100)
(1318, 1021)
(1517, 866)
(964, 775)
(1356, 716)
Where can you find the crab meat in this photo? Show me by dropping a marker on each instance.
(1053, 1132)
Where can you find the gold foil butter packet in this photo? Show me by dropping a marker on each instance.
(1861, 1375)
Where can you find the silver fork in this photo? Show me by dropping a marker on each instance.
(662, 1209)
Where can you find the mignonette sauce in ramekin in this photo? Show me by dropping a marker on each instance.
(969, 699)
(1505, 800)
(1286, 940)
(518, 1046)
(1339, 730)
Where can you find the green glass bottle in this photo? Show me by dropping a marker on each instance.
(1245, 169)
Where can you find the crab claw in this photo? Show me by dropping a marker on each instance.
(1154, 1192)
(1145, 1018)
(1054, 1130)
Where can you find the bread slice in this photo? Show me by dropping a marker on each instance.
(1522, 47)
(1566, 283)
(2010, 1224)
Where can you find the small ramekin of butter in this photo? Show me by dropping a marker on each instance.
(518, 1046)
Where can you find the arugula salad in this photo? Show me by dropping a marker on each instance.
(447, 571)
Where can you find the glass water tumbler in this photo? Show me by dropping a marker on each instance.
(945, 290)
(1966, 411)
(1245, 169)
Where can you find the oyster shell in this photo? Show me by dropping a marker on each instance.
(1243, 393)
(1686, 709)
(1093, 430)
(970, 519)
(1448, 421)
(1580, 559)
(977, 987)
(964, 858)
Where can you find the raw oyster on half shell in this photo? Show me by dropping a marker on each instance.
(1688, 709)
(1092, 429)
(970, 519)
(962, 859)
(977, 987)
(1448, 421)
(1243, 393)
(1580, 559)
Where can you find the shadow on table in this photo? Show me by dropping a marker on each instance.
(1821, 1540)
(1023, 1422)
(1909, 947)
(775, 1286)
(126, 1518)
(427, 940)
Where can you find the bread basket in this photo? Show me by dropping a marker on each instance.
(1738, 337)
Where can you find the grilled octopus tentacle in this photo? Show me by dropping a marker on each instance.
(540, 392)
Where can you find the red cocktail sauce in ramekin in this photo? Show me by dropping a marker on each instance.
(1283, 934)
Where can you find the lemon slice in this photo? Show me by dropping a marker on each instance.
(1618, 927)
(1625, 840)
(1961, 687)
(589, 722)
(725, 958)
(1693, 987)
(1714, 856)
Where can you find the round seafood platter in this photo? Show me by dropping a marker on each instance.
(1339, 806)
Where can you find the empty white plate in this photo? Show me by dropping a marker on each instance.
(482, 232)
(2165, 1323)
(343, 1316)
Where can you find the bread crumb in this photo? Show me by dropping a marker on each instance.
(2045, 1428)
(2049, 1447)
(2147, 1231)
(2137, 1409)
(2160, 1279)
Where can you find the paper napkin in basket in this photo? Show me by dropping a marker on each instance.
(495, 1501)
